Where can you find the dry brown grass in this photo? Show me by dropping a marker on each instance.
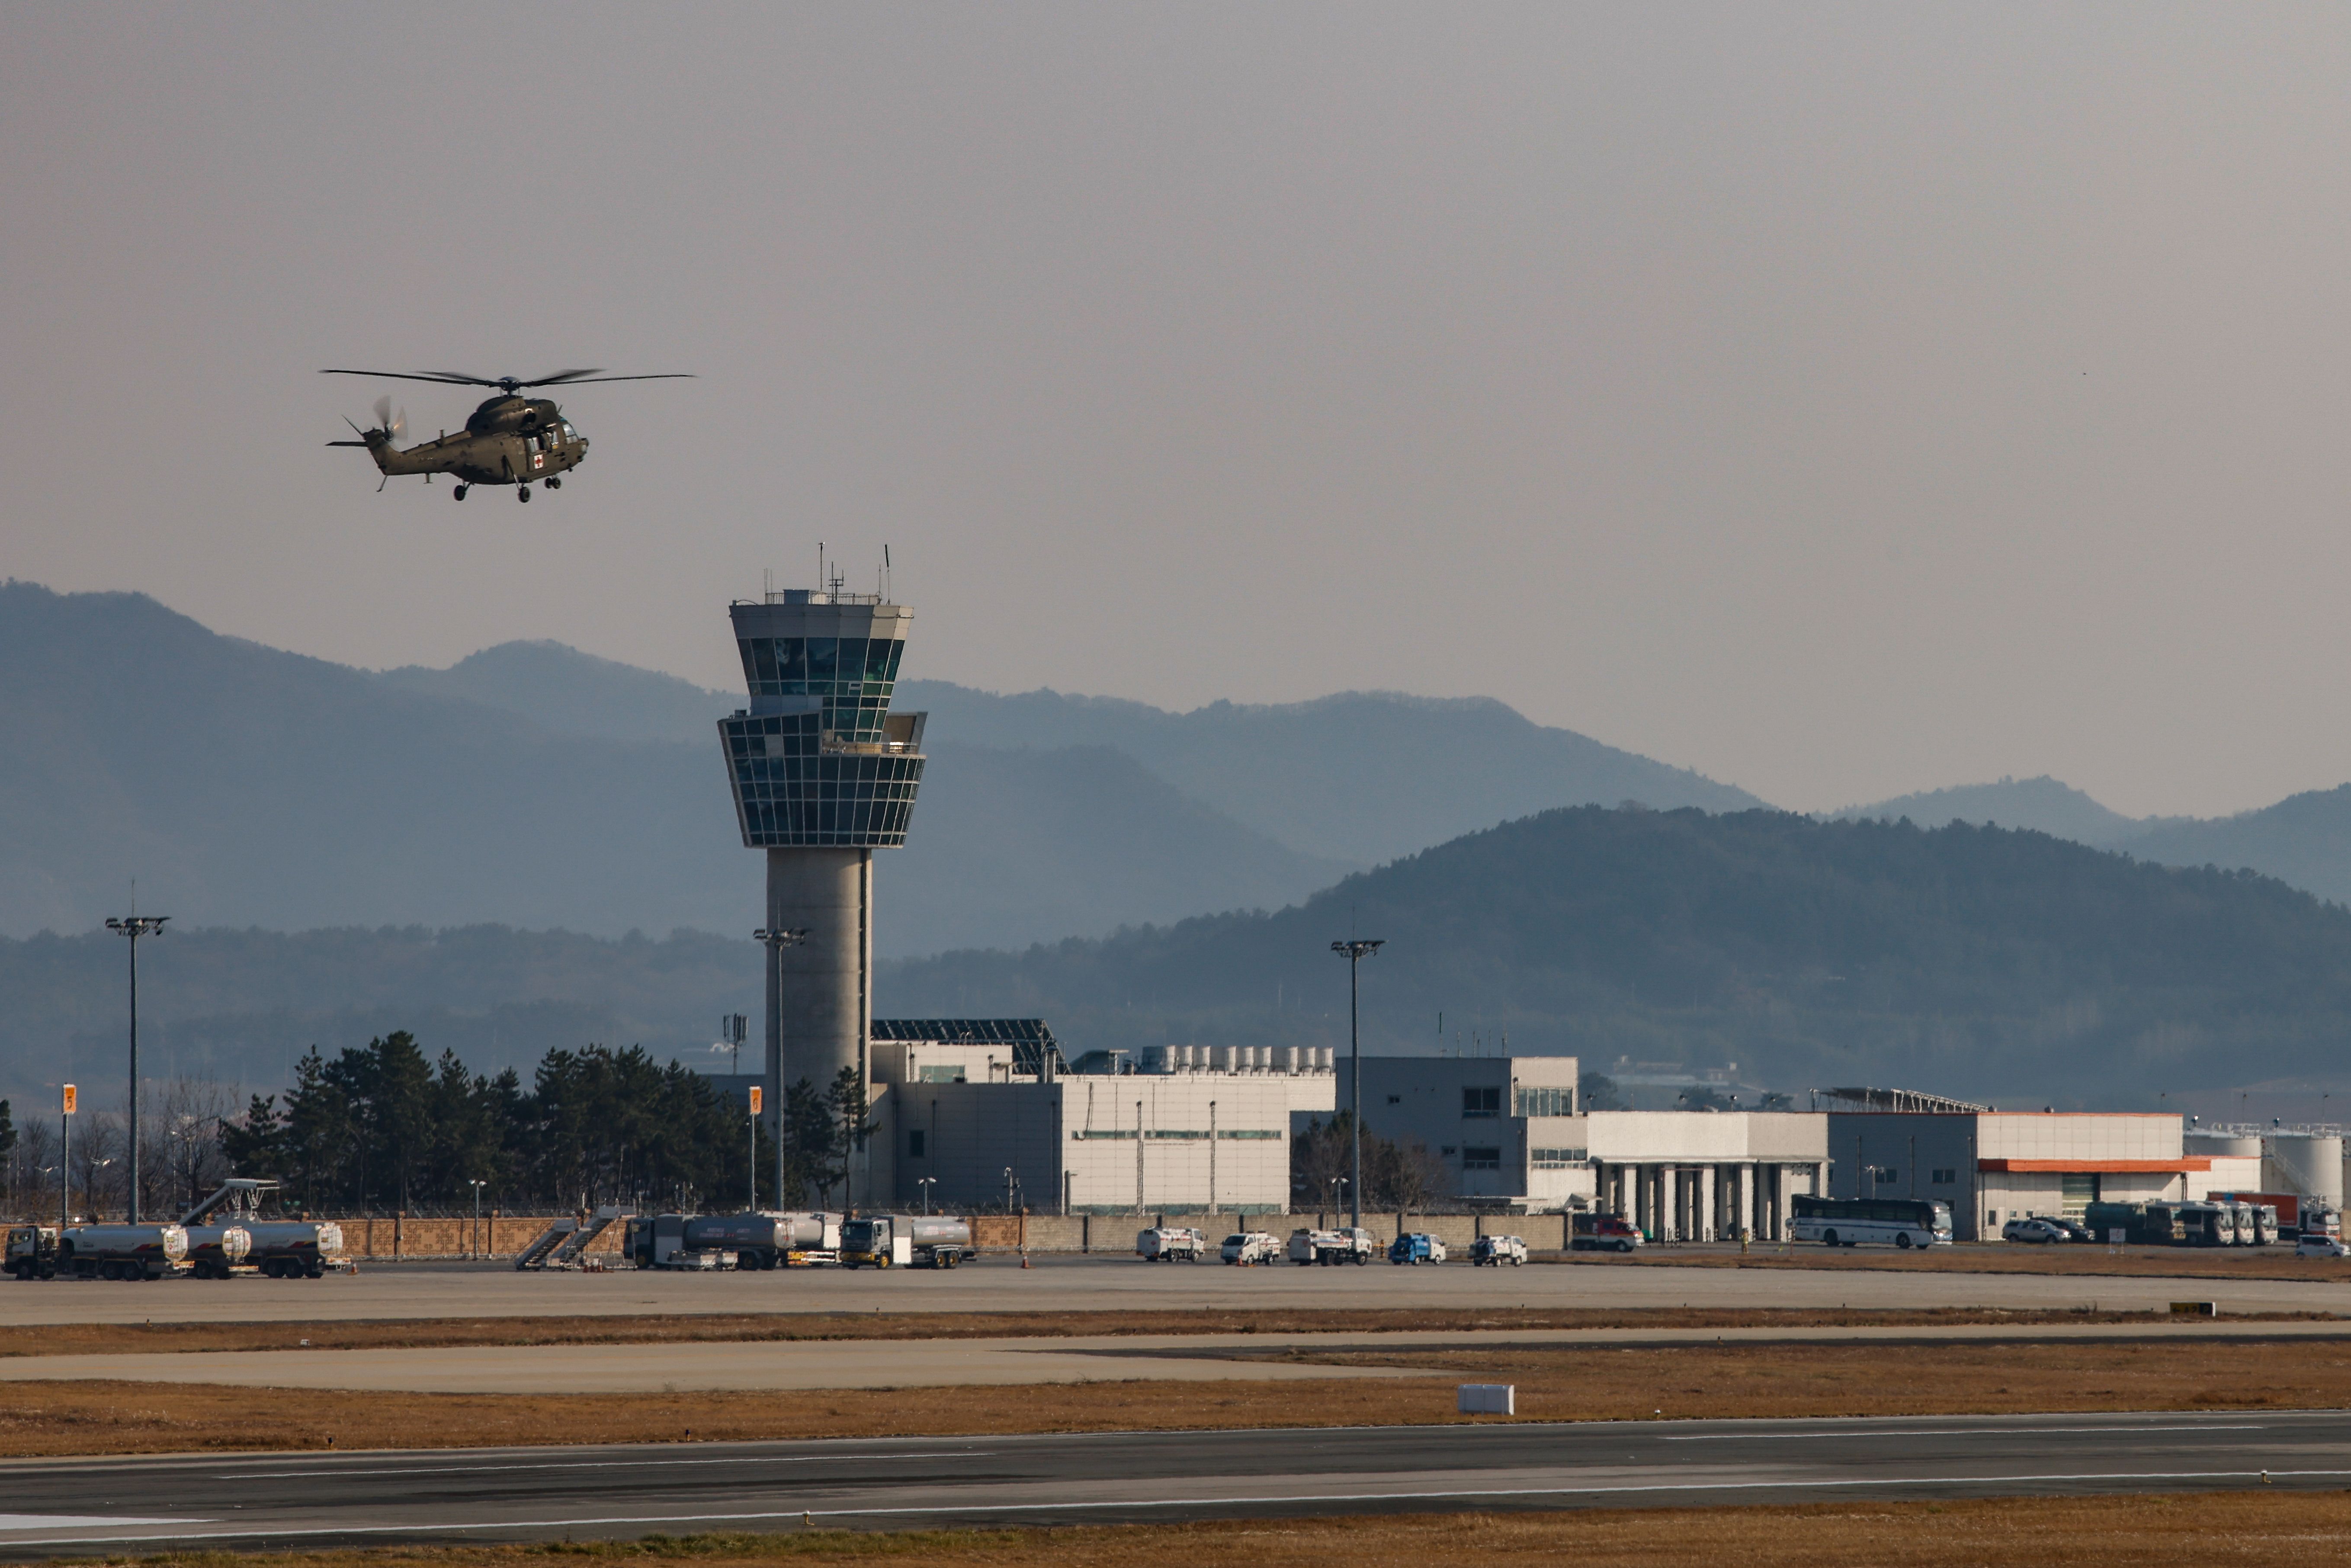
(419, 1334)
(1585, 1383)
(2225, 1529)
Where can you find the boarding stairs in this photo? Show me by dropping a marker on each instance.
(562, 1244)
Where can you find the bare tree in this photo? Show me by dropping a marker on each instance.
(179, 1157)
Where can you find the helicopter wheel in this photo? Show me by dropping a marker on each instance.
(522, 492)
(458, 494)
(554, 483)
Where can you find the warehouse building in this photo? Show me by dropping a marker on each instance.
(1992, 1166)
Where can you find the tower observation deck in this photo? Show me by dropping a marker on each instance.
(823, 774)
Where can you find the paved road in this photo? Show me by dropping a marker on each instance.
(784, 1365)
(530, 1493)
(1114, 1283)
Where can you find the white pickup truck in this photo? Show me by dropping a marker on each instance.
(1343, 1245)
(1497, 1251)
(1245, 1247)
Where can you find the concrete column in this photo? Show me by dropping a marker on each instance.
(819, 992)
(1743, 1199)
(1673, 1228)
(1707, 1176)
(1780, 1203)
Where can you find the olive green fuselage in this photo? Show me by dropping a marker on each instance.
(508, 441)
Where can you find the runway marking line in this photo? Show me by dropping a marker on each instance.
(980, 1509)
(1955, 1432)
(595, 1465)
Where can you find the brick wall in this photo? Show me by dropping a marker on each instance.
(406, 1236)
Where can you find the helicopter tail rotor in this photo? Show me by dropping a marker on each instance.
(394, 425)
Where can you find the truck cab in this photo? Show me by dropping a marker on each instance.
(32, 1252)
(1416, 1246)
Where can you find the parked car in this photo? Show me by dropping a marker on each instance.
(2316, 1245)
(1245, 1247)
(1416, 1246)
(1604, 1233)
(1497, 1250)
(1176, 1244)
(2074, 1228)
(2034, 1229)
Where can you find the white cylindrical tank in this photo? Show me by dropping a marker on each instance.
(1285, 1059)
(2309, 1165)
(1220, 1059)
(2223, 1146)
(1325, 1059)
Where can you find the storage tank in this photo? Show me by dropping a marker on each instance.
(1220, 1059)
(2309, 1165)
(1285, 1059)
(2223, 1146)
(1326, 1059)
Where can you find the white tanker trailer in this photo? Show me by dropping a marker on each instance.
(296, 1249)
(122, 1252)
(215, 1250)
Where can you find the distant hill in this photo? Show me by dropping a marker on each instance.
(1981, 962)
(241, 1006)
(1990, 963)
(2042, 804)
(531, 785)
(562, 689)
(1360, 776)
(2304, 839)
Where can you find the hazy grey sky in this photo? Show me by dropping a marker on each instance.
(1840, 401)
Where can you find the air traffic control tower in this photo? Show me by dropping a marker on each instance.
(823, 775)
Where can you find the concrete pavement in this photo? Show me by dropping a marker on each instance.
(314, 1500)
(1110, 1284)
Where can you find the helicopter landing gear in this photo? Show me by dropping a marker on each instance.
(522, 492)
(458, 494)
(553, 482)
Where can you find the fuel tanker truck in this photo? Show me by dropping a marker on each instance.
(121, 1251)
(727, 1240)
(280, 1248)
(924, 1240)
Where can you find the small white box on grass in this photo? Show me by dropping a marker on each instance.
(1488, 1399)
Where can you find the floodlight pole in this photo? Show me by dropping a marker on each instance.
(777, 941)
(135, 926)
(1354, 951)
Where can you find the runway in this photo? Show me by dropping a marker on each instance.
(805, 1365)
(1116, 1283)
(314, 1498)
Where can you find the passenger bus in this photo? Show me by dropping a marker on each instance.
(1849, 1222)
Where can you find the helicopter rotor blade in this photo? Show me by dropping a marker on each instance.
(558, 376)
(383, 413)
(418, 376)
(400, 427)
(578, 378)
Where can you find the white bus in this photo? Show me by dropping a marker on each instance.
(1848, 1222)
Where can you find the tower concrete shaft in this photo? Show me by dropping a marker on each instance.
(822, 774)
(819, 993)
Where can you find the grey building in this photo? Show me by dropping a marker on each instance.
(822, 774)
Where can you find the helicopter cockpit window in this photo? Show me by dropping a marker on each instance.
(530, 444)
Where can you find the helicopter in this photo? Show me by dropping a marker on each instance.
(510, 440)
